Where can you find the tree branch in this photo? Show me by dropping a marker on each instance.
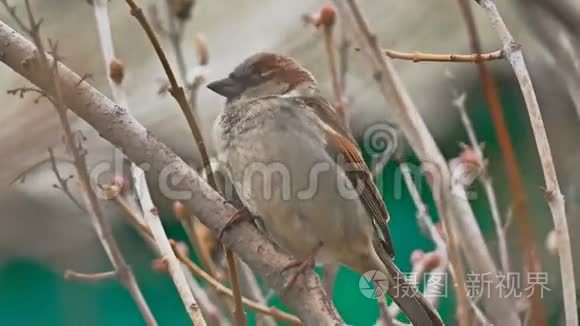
(486, 182)
(63, 182)
(555, 198)
(431, 57)
(70, 275)
(270, 311)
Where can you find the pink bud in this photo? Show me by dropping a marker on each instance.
(326, 17)
(417, 255)
(180, 211)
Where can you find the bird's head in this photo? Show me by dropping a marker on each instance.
(265, 74)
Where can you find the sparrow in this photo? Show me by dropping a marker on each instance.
(296, 167)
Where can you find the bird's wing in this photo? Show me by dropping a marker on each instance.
(342, 147)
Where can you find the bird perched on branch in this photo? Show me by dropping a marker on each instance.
(295, 166)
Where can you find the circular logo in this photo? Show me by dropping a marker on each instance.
(373, 284)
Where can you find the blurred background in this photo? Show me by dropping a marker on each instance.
(42, 233)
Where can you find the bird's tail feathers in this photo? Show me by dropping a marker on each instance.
(411, 301)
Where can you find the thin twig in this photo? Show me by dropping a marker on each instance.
(22, 175)
(486, 182)
(422, 215)
(328, 28)
(108, 50)
(178, 93)
(253, 291)
(190, 225)
(210, 310)
(385, 316)
(509, 219)
(555, 25)
(425, 219)
(63, 182)
(325, 19)
(70, 275)
(113, 192)
(134, 218)
(270, 311)
(479, 315)
(343, 53)
(440, 246)
(199, 272)
(174, 267)
(431, 57)
(115, 73)
(239, 315)
(175, 89)
(330, 271)
(553, 193)
(175, 33)
(20, 91)
(514, 176)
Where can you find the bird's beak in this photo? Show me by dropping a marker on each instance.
(226, 87)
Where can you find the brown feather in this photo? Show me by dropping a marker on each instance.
(345, 151)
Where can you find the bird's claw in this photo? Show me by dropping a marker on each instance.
(241, 214)
(301, 266)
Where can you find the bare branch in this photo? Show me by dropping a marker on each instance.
(135, 218)
(425, 219)
(63, 182)
(175, 33)
(486, 182)
(555, 25)
(196, 270)
(326, 20)
(166, 253)
(343, 60)
(191, 228)
(431, 57)
(210, 310)
(252, 290)
(329, 272)
(421, 265)
(22, 175)
(21, 91)
(70, 275)
(554, 195)
(175, 90)
(239, 315)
